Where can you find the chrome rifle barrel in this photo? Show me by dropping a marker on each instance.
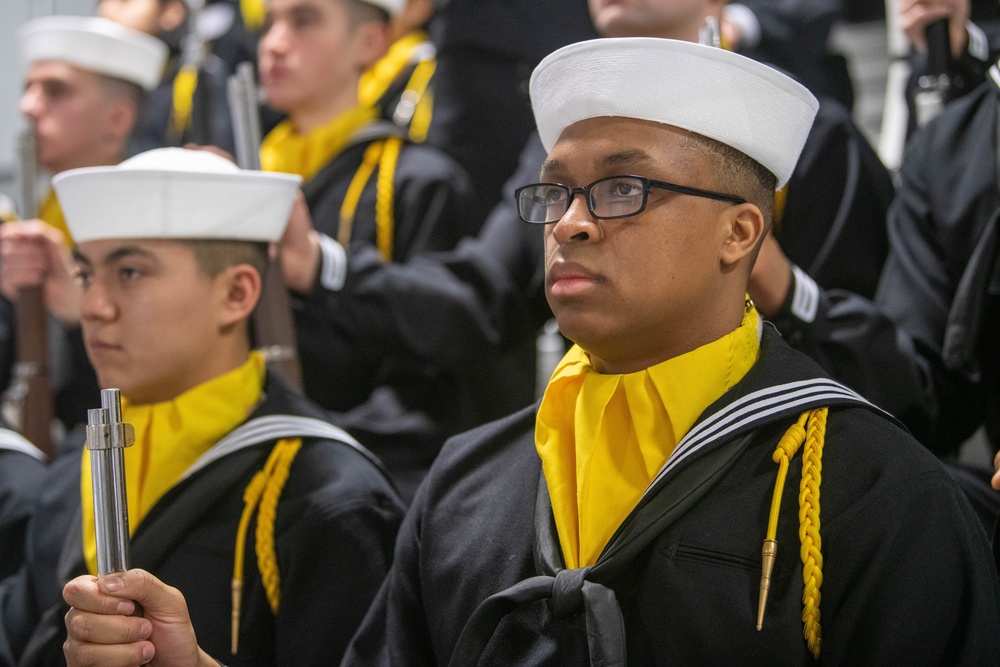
(107, 438)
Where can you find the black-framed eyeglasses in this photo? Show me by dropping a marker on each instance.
(607, 198)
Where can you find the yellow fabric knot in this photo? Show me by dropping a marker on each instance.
(790, 442)
(603, 438)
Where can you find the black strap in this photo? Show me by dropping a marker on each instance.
(588, 589)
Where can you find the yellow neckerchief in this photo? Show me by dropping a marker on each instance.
(377, 79)
(285, 150)
(170, 436)
(603, 438)
(51, 213)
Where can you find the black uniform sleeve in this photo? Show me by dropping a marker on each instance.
(933, 549)
(833, 225)
(395, 630)
(20, 484)
(449, 307)
(890, 349)
(328, 587)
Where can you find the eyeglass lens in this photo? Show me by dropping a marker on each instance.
(615, 197)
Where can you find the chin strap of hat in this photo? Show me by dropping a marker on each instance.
(383, 154)
(810, 430)
(263, 491)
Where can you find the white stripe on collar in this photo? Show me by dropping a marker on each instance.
(15, 442)
(754, 407)
(995, 74)
(272, 427)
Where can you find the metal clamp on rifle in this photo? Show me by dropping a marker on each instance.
(107, 438)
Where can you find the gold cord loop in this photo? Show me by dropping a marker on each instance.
(810, 430)
(264, 490)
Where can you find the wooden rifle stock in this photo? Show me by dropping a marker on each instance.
(30, 392)
(273, 323)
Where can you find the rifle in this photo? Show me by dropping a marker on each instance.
(107, 438)
(710, 34)
(934, 87)
(29, 398)
(272, 319)
(191, 123)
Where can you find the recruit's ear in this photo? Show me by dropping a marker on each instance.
(746, 227)
(369, 42)
(122, 117)
(239, 290)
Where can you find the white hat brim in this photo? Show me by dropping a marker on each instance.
(95, 45)
(168, 203)
(712, 92)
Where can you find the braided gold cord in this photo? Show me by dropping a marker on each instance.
(264, 490)
(350, 205)
(267, 559)
(385, 197)
(809, 536)
(810, 430)
(251, 496)
(787, 446)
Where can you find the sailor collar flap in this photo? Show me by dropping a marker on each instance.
(701, 459)
(11, 441)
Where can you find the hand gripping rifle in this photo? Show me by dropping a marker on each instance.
(934, 87)
(273, 323)
(29, 397)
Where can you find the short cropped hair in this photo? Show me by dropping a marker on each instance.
(359, 12)
(215, 256)
(127, 90)
(741, 175)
